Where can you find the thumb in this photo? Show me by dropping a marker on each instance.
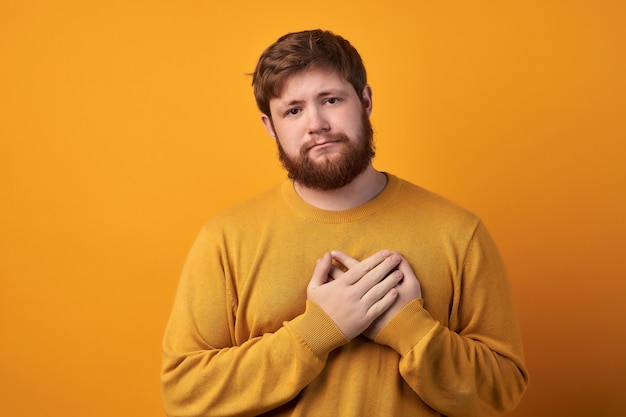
(322, 269)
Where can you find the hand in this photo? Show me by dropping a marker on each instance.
(359, 295)
(408, 289)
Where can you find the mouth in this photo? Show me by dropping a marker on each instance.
(323, 145)
(325, 142)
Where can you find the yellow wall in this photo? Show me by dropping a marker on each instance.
(126, 124)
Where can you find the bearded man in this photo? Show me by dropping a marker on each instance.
(344, 291)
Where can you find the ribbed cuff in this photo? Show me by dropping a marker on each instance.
(317, 330)
(407, 328)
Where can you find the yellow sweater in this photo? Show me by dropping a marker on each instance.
(242, 340)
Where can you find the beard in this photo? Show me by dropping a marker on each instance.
(333, 172)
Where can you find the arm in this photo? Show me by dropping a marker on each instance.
(475, 367)
(207, 372)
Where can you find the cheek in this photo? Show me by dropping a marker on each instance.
(289, 144)
(349, 118)
(290, 136)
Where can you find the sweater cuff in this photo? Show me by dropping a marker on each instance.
(407, 328)
(317, 330)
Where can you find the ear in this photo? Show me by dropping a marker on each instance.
(366, 99)
(269, 126)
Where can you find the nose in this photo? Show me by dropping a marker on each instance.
(317, 122)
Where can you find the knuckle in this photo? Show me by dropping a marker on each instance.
(364, 267)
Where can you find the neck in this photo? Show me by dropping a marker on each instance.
(362, 189)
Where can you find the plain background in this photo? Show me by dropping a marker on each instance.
(126, 124)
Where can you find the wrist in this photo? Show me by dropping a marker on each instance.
(317, 330)
(407, 328)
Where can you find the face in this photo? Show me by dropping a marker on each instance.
(322, 129)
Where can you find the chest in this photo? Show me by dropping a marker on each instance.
(270, 283)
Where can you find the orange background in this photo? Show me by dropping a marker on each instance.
(126, 124)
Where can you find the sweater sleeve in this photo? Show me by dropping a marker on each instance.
(205, 372)
(474, 367)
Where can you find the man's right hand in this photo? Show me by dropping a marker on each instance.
(360, 295)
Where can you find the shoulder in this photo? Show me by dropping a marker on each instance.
(429, 204)
(246, 214)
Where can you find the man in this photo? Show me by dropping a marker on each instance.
(344, 291)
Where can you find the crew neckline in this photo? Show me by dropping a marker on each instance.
(306, 210)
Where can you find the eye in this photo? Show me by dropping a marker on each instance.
(292, 112)
(333, 100)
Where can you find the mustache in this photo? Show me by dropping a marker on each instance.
(326, 137)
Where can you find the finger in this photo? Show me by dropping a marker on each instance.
(356, 269)
(405, 267)
(380, 289)
(380, 272)
(382, 304)
(335, 272)
(322, 269)
(410, 285)
(343, 259)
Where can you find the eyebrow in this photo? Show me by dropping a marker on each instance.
(326, 93)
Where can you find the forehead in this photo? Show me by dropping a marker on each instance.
(312, 82)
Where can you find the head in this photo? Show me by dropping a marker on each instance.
(300, 66)
(301, 51)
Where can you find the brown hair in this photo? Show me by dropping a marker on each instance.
(300, 51)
